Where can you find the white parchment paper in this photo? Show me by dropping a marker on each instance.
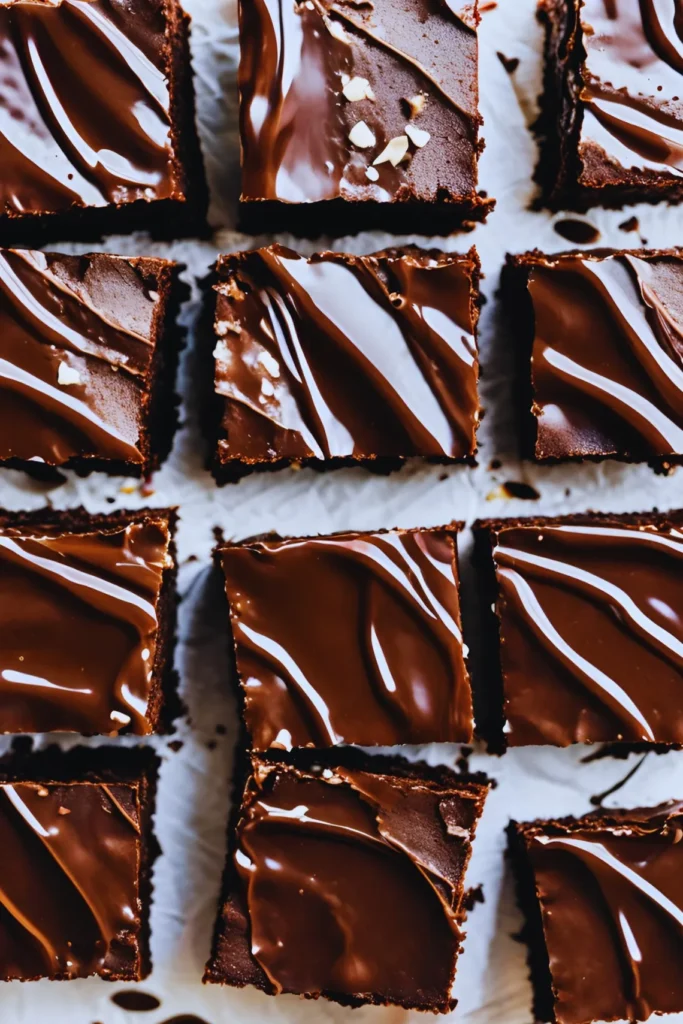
(491, 985)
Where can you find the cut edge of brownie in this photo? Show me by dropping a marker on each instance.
(233, 469)
(233, 915)
(489, 689)
(133, 766)
(164, 703)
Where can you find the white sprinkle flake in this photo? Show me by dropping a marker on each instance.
(371, 173)
(118, 716)
(336, 30)
(358, 89)
(394, 151)
(416, 104)
(361, 136)
(417, 136)
(66, 375)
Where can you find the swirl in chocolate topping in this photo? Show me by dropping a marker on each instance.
(297, 123)
(592, 632)
(633, 82)
(85, 118)
(611, 895)
(79, 627)
(75, 354)
(307, 347)
(349, 639)
(607, 361)
(69, 896)
(353, 881)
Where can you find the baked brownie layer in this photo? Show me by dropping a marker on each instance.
(612, 120)
(600, 340)
(345, 880)
(589, 611)
(357, 116)
(361, 359)
(99, 132)
(77, 844)
(88, 356)
(87, 621)
(603, 899)
(353, 638)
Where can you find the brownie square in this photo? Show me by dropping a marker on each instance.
(87, 622)
(97, 134)
(345, 880)
(89, 350)
(589, 612)
(340, 359)
(357, 116)
(78, 847)
(612, 114)
(350, 638)
(603, 901)
(600, 347)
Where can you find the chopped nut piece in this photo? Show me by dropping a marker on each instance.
(358, 89)
(63, 810)
(67, 375)
(416, 104)
(361, 136)
(372, 173)
(43, 792)
(394, 151)
(417, 136)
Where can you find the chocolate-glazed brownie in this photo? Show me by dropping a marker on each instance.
(603, 901)
(588, 610)
(97, 134)
(77, 853)
(88, 354)
(600, 353)
(344, 360)
(358, 116)
(345, 880)
(351, 638)
(87, 622)
(612, 111)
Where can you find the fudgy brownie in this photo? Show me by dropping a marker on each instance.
(603, 901)
(98, 134)
(77, 853)
(89, 349)
(589, 613)
(342, 359)
(600, 351)
(357, 116)
(612, 109)
(345, 880)
(87, 621)
(350, 638)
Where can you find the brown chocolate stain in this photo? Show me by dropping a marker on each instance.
(185, 1018)
(518, 489)
(632, 224)
(599, 798)
(509, 63)
(578, 231)
(135, 1001)
(175, 745)
(472, 897)
(489, 6)
(495, 464)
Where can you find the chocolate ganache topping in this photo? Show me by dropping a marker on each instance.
(326, 85)
(612, 903)
(353, 880)
(347, 355)
(84, 116)
(76, 348)
(69, 903)
(607, 362)
(592, 631)
(79, 627)
(633, 82)
(349, 639)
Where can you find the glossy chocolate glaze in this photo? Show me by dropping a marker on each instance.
(632, 88)
(77, 337)
(354, 638)
(69, 898)
(85, 115)
(607, 354)
(79, 627)
(611, 894)
(296, 59)
(354, 881)
(347, 356)
(591, 626)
